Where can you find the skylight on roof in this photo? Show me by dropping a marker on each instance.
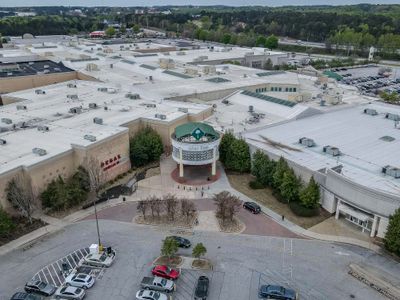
(387, 138)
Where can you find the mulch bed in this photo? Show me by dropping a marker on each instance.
(174, 261)
(22, 227)
(236, 226)
(202, 264)
(180, 221)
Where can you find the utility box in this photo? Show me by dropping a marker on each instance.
(307, 142)
(371, 112)
(334, 151)
(94, 249)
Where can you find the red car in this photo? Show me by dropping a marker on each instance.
(165, 272)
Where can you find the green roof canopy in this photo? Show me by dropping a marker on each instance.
(188, 129)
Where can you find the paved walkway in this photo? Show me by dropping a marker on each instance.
(162, 184)
(207, 221)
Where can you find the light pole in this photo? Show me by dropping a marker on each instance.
(97, 223)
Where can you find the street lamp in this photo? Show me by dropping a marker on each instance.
(97, 223)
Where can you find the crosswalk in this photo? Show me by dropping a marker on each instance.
(53, 273)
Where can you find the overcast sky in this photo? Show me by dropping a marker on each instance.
(183, 2)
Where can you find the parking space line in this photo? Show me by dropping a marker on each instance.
(83, 254)
(51, 276)
(57, 275)
(44, 275)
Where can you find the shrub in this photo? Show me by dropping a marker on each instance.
(6, 223)
(392, 240)
(145, 147)
(302, 211)
(255, 185)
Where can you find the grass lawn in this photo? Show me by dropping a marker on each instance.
(265, 197)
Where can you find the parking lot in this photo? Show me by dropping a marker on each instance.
(241, 263)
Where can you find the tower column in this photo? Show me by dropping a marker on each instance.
(180, 163)
(214, 163)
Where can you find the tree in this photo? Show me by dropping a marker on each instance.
(171, 204)
(227, 206)
(187, 208)
(122, 29)
(310, 195)
(271, 42)
(6, 223)
(238, 157)
(136, 28)
(290, 186)
(261, 40)
(169, 247)
(153, 203)
(94, 173)
(263, 168)
(145, 147)
(20, 193)
(199, 250)
(110, 31)
(142, 207)
(226, 38)
(392, 236)
(269, 65)
(280, 169)
(225, 145)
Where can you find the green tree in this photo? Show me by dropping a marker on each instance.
(199, 250)
(280, 169)
(226, 38)
(122, 29)
(310, 195)
(392, 236)
(169, 247)
(290, 186)
(269, 65)
(203, 35)
(271, 42)
(145, 147)
(110, 31)
(238, 157)
(136, 28)
(263, 168)
(225, 145)
(6, 223)
(261, 40)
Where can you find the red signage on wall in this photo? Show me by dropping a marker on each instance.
(111, 162)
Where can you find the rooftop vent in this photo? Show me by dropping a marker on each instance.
(160, 116)
(371, 112)
(387, 138)
(92, 105)
(3, 142)
(71, 85)
(6, 120)
(331, 150)
(183, 109)
(107, 90)
(251, 108)
(40, 92)
(73, 97)
(393, 117)
(307, 142)
(89, 137)
(391, 171)
(21, 107)
(132, 96)
(75, 110)
(150, 105)
(43, 128)
(39, 151)
(98, 121)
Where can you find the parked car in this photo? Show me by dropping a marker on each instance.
(151, 295)
(165, 272)
(39, 287)
(70, 292)
(102, 259)
(253, 207)
(80, 280)
(25, 296)
(182, 242)
(201, 291)
(277, 292)
(158, 284)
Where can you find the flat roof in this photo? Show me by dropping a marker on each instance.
(357, 135)
(27, 68)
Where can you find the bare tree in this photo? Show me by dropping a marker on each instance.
(21, 194)
(171, 204)
(153, 203)
(159, 207)
(96, 174)
(227, 206)
(187, 208)
(142, 206)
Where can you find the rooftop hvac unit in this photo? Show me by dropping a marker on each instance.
(89, 137)
(39, 151)
(98, 121)
(46, 71)
(393, 117)
(40, 92)
(102, 89)
(160, 116)
(72, 97)
(391, 171)
(46, 66)
(6, 120)
(331, 150)
(151, 78)
(3, 142)
(307, 142)
(132, 96)
(183, 109)
(150, 105)
(371, 112)
(43, 128)
(92, 105)
(71, 85)
(251, 108)
(105, 108)
(75, 110)
(21, 107)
